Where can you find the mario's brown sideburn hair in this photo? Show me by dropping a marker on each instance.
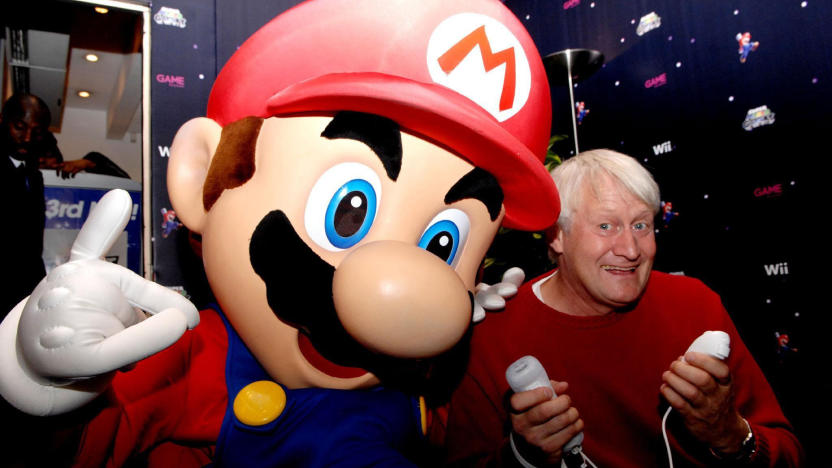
(233, 162)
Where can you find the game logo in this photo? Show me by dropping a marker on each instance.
(770, 191)
(174, 81)
(656, 81)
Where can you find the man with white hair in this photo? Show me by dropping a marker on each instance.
(616, 331)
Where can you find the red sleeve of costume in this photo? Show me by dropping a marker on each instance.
(169, 408)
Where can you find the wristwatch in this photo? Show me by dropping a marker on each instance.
(747, 450)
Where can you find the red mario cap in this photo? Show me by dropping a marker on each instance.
(464, 73)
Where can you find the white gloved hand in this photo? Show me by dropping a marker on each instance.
(493, 297)
(59, 348)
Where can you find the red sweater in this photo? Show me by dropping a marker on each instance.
(613, 365)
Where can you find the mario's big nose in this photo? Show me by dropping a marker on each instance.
(397, 299)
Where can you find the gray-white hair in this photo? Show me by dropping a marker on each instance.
(588, 165)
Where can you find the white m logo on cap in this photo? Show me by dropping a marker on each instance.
(478, 57)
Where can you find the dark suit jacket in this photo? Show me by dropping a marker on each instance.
(21, 230)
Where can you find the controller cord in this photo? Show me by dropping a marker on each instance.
(664, 434)
(576, 457)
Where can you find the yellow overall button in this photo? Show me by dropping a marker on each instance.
(423, 415)
(259, 403)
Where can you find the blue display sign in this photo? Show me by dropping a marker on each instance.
(67, 207)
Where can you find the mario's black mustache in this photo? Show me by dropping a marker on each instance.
(299, 291)
(299, 288)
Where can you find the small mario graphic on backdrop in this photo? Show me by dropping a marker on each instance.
(169, 222)
(784, 349)
(580, 111)
(746, 46)
(667, 213)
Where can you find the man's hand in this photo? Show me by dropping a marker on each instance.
(80, 323)
(699, 387)
(69, 168)
(543, 425)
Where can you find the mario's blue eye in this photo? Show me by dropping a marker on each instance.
(342, 206)
(350, 213)
(446, 235)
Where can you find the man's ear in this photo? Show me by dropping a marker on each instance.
(556, 246)
(190, 156)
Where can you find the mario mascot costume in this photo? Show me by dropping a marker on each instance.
(356, 161)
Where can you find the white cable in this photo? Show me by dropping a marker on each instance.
(664, 433)
(579, 450)
(586, 458)
(563, 464)
(519, 457)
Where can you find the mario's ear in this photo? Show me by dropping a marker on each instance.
(190, 156)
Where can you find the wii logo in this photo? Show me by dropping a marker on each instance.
(665, 147)
(777, 269)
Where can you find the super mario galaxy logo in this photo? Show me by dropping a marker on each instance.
(170, 17)
(648, 22)
(758, 117)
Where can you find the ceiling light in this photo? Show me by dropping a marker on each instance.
(101, 10)
(84, 94)
(91, 57)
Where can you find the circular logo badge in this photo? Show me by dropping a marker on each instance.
(478, 57)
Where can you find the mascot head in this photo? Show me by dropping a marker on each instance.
(355, 163)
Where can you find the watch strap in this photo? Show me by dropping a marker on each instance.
(747, 450)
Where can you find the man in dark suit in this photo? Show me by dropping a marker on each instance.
(24, 133)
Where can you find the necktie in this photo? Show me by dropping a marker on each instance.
(24, 173)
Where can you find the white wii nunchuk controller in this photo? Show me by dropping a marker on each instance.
(712, 343)
(526, 374)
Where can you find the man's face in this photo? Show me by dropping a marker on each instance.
(607, 253)
(26, 132)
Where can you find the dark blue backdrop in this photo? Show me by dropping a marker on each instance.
(675, 97)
